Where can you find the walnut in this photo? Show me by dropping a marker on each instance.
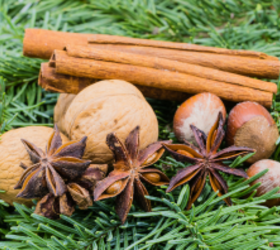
(102, 108)
(60, 109)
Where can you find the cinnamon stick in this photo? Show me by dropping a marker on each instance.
(165, 64)
(52, 81)
(41, 43)
(90, 68)
(111, 39)
(235, 64)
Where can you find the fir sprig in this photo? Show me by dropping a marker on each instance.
(210, 224)
(23, 106)
(251, 24)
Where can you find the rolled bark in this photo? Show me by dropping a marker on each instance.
(60, 83)
(235, 64)
(41, 43)
(165, 64)
(90, 68)
(112, 39)
(51, 81)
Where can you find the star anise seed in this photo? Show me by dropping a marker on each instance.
(130, 169)
(207, 161)
(77, 194)
(50, 169)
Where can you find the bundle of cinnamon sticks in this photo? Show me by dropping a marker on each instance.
(162, 70)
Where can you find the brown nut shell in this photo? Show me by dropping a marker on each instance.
(13, 153)
(251, 125)
(106, 107)
(242, 113)
(257, 134)
(200, 110)
(268, 181)
(63, 103)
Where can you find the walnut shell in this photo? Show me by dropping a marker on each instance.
(60, 109)
(13, 153)
(105, 107)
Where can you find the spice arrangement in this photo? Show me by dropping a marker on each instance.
(109, 115)
(194, 166)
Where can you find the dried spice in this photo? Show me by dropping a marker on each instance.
(50, 169)
(59, 176)
(130, 169)
(103, 54)
(207, 161)
(162, 79)
(52, 81)
(41, 43)
(77, 193)
(13, 153)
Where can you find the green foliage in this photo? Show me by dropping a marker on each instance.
(23, 106)
(234, 24)
(210, 224)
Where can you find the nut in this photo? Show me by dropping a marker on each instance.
(200, 110)
(105, 107)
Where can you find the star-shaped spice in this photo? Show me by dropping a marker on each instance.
(50, 169)
(77, 194)
(207, 161)
(130, 169)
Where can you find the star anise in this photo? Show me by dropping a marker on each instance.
(77, 194)
(52, 168)
(207, 161)
(130, 169)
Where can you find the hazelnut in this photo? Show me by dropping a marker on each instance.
(200, 110)
(269, 181)
(250, 125)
